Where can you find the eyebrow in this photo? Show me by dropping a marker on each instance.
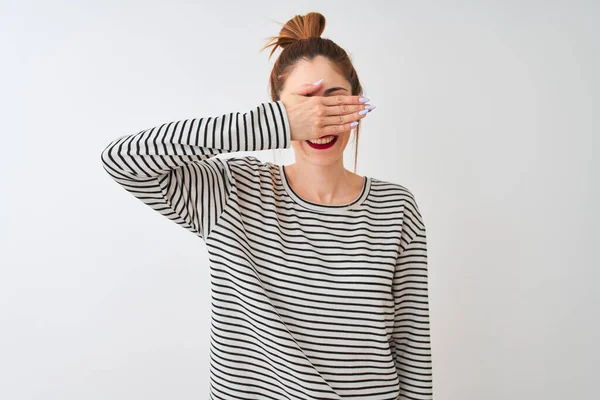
(333, 90)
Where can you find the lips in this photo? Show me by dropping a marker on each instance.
(325, 145)
(325, 136)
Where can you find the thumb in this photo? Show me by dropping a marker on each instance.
(309, 88)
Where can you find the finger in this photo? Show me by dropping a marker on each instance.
(343, 109)
(343, 119)
(309, 88)
(336, 129)
(343, 99)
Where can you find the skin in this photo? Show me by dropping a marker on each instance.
(319, 176)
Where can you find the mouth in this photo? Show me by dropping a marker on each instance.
(322, 143)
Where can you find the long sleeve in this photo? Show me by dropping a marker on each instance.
(411, 323)
(173, 169)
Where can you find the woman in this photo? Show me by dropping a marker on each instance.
(318, 275)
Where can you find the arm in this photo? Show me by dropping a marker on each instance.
(173, 169)
(411, 323)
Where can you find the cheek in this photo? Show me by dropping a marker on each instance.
(297, 146)
(345, 137)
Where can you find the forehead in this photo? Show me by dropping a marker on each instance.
(311, 71)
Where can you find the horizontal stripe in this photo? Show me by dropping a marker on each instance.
(308, 301)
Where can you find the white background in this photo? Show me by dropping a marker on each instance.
(487, 111)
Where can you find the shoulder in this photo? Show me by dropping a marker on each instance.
(393, 193)
(401, 203)
(247, 163)
(249, 168)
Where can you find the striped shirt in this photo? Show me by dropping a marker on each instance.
(309, 301)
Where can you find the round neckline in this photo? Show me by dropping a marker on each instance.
(328, 208)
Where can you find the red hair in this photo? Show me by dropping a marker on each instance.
(300, 39)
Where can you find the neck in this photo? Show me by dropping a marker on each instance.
(330, 184)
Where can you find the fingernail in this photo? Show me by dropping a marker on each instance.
(369, 107)
(363, 112)
(363, 99)
(317, 82)
(354, 123)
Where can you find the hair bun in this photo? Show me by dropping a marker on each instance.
(298, 28)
